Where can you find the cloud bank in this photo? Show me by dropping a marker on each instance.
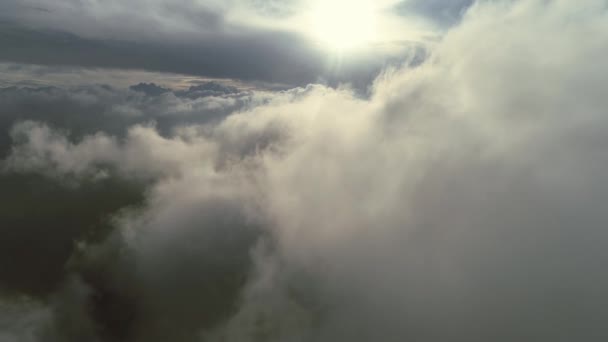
(463, 201)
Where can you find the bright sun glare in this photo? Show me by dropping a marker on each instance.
(343, 24)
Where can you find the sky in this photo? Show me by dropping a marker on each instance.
(283, 42)
(294, 171)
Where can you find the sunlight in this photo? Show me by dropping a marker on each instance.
(343, 24)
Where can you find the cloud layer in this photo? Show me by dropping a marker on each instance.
(463, 201)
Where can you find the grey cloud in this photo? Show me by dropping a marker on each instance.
(116, 18)
(208, 89)
(276, 8)
(20, 320)
(157, 36)
(89, 109)
(445, 13)
(36, 75)
(40, 222)
(205, 89)
(149, 89)
(266, 57)
(72, 210)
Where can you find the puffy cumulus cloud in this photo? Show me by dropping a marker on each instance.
(462, 201)
(91, 157)
(84, 132)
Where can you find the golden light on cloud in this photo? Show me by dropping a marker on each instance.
(344, 24)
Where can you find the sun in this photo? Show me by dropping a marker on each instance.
(343, 24)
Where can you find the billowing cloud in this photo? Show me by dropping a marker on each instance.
(462, 201)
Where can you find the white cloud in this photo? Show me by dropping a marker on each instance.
(144, 154)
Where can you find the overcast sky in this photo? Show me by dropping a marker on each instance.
(254, 40)
(295, 171)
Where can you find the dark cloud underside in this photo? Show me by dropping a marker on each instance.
(264, 57)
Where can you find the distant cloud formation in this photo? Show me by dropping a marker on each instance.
(462, 199)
